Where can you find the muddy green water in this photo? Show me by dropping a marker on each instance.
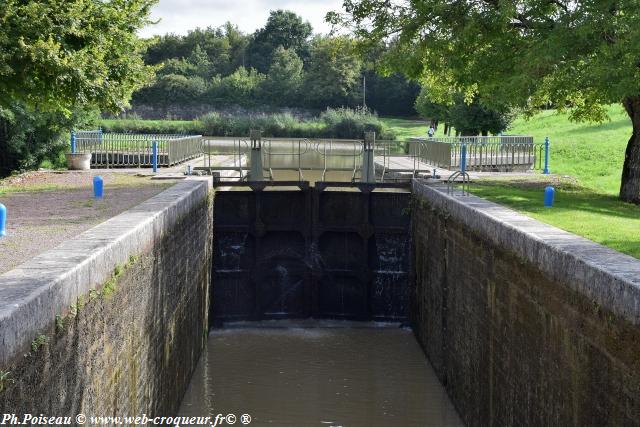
(329, 376)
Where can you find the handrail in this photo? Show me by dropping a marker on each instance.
(135, 150)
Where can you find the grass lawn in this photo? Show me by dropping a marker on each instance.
(590, 153)
(405, 128)
(597, 216)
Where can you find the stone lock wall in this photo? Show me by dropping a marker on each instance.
(111, 323)
(524, 324)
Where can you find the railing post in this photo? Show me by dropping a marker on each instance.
(368, 165)
(73, 141)
(256, 172)
(154, 155)
(463, 157)
(546, 156)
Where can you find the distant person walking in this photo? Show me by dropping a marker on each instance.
(431, 131)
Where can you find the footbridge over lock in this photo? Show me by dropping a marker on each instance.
(291, 250)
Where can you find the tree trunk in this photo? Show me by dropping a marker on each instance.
(630, 185)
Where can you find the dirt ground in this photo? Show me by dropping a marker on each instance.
(46, 208)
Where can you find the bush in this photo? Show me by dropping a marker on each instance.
(347, 123)
(29, 137)
(340, 123)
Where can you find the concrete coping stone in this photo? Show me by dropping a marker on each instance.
(32, 294)
(607, 277)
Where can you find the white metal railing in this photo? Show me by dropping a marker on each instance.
(135, 150)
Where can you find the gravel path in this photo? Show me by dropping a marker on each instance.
(40, 220)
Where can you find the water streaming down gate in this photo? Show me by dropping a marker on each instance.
(319, 252)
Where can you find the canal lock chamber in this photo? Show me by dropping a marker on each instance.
(521, 323)
(309, 309)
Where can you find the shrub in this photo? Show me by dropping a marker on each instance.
(340, 123)
(347, 123)
(29, 137)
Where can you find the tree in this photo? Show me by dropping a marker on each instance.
(238, 43)
(333, 75)
(200, 60)
(468, 118)
(283, 28)
(391, 95)
(577, 55)
(474, 118)
(177, 66)
(282, 84)
(76, 53)
(223, 48)
(175, 89)
(433, 111)
(59, 60)
(239, 88)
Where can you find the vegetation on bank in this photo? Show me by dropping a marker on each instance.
(592, 153)
(600, 217)
(282, 64)
(586, 204)
(59, 64)
(484, 51)
(333, 123)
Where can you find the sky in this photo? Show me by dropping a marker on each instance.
(180, 16)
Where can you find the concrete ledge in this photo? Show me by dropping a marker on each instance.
(35, 292)
(607, 277)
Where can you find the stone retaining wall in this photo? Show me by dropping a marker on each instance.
(525, 324)
(112, 322)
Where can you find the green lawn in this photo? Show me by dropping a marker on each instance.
(405, 128)
(592, 154)
(597, 216)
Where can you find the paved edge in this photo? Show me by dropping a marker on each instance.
(32, 294)
(609, 278)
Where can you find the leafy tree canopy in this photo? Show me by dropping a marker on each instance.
(283, 28)
(333, 77)
(284, 78)
(468, 118)
(60, 56)
(575, 55)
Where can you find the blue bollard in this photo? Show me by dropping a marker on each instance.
(549, 195)
(3, 220)
(154, 155)
(73, 141)
(463, 158)
(98, 187)
(546, 156)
